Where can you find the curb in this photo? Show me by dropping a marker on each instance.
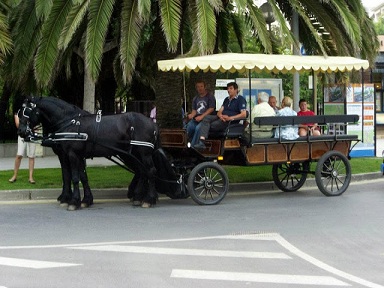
(121, 193)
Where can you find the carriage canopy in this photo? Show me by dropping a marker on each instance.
(258, 62)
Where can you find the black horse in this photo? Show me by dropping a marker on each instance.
(65, 164)
(131, 137)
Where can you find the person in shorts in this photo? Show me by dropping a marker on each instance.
(23, 148)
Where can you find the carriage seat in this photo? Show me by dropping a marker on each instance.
(321, 120)
(233, 130)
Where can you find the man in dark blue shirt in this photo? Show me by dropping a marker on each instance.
(233, 108)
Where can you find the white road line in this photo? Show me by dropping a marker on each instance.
(322, 265)
(115, 243)
(263, 236)
(258, 277)
(24, 263)
(189, 252)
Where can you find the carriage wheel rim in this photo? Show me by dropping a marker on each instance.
(208, 183)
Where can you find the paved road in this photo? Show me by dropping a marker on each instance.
(301, 239)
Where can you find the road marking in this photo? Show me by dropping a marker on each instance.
(258, 277)
(185, 252)
(323, 265)
(247, 236)
(24, 263)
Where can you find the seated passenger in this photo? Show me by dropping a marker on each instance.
(311, 127)
(233, 108)
(203, 104)
(273, 102)
(262, 109)
(289, 132)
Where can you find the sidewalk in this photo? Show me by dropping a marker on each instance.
(120, 193)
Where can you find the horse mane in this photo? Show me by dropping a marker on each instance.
(61, 105)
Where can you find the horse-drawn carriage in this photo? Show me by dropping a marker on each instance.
(208, 182)
(178, 170)
(290, 159)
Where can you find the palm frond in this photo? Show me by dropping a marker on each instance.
(5, 38)
(74, 19)
(48, 51)
(260, 26)
(170, 13)
(370, 43)
(217, 5)
(26, 34)
(78, 2)
(241, 5)
(206, 26)
(357, 9)
(351, 24)
(238, 28)
(334, 43)
(100, 12)
(130, 37)
(298, 7)
(144, 9)
(43, 8)
(223, 31)
(284, 29)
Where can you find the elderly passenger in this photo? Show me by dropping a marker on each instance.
(289, 132)
(262, 109)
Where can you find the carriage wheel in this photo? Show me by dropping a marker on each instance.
(333, 173)
(208, 183)
(290, 177)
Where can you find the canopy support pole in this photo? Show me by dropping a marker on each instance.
(362, 104)
(296, 51)
(314, 87)
(250, 101)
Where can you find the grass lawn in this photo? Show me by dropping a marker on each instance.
(116, 177)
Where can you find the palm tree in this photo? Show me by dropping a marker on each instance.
(5, 50)
(47, 33)
(5, 39)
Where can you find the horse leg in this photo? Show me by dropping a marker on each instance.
(132, 187)
(133, 193)
(150, 197)
(88, 197)
(76, 166)
(66, 193)
(135, 190)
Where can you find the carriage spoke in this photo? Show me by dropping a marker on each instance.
(334, 182)
(207, 175)
(209, 183)
(327, 182)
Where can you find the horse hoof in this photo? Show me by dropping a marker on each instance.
(72, 208)
(146, 205)
(63, 204)
(136, 203)
(85, 205)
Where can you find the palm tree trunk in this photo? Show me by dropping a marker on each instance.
(169, 86)
(89, 92)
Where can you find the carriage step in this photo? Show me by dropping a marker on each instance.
(231, 143)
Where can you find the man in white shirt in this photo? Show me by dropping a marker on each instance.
(262, 109)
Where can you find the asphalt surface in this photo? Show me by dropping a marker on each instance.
(119, 193)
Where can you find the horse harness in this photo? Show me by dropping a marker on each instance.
(79, 136)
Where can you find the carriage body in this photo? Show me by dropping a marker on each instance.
(290, 159)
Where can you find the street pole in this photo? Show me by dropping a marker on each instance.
(296, 51)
